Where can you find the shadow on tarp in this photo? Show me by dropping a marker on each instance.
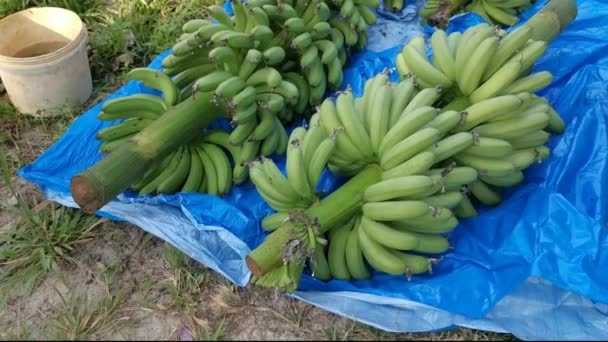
(534, 266)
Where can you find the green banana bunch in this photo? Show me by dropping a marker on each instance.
(201, 166)
(419, 155)
(499, 12)
(475, 65)
(266, 64)
(271, 60)
(355, 16)
(485, 76)
(293, 49)
(434, 166)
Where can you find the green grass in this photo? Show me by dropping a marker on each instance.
(83, 8)
(78, 317)
(184, 280)
(23, 332)
(37, 241)
(213, 333)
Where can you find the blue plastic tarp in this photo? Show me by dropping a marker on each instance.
(534, 266)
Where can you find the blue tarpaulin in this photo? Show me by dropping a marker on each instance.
(535, 266)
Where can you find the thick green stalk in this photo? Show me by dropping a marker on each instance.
(333, 209)
(96, 186)
(549, 22)
(341, 204)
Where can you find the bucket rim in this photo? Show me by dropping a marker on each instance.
(64, 50)
(48, 57)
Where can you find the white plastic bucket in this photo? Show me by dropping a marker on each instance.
(43, 60)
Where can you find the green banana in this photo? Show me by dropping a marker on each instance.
(406, 126)
(400, 187)
(379, 257)
(395, 210)
(426, 97)
(244, 99)
(329, 120)
(142, 106)
(504, 181)
(190, 75)
(265, 125)
(172, 164)
(486, 166)
(530, 140)
(176, 179)
(431, 243)
(446, 121)
(455, 177)
(242, 132)
(328, 49)
(431, 225)
(409, 147)
(486, 110)
(319, 160)
(122, 129)
(501, 79)
(354, 128)
(273, 55)
(415, 165)
(268, 75)
(157, 80)
(355, 260)
(218, 13)
(387, 236)
(193, 25)
(230, 87)
(275, 199)
(222, 167)
(451, 145)
(271, 142)
(530, 83)
(414, 264)
(278, 180)
(336, 255)
(403, 93)
(485, 194)
(320, 267)
(489, 147)
(303, 91)
(450, 199)
(442, 53)
(472, 73)
(211, 81)
(465, 209)
(423, 69)
(195, 174)
(513, 128)
(297, 170)
(507, 47)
